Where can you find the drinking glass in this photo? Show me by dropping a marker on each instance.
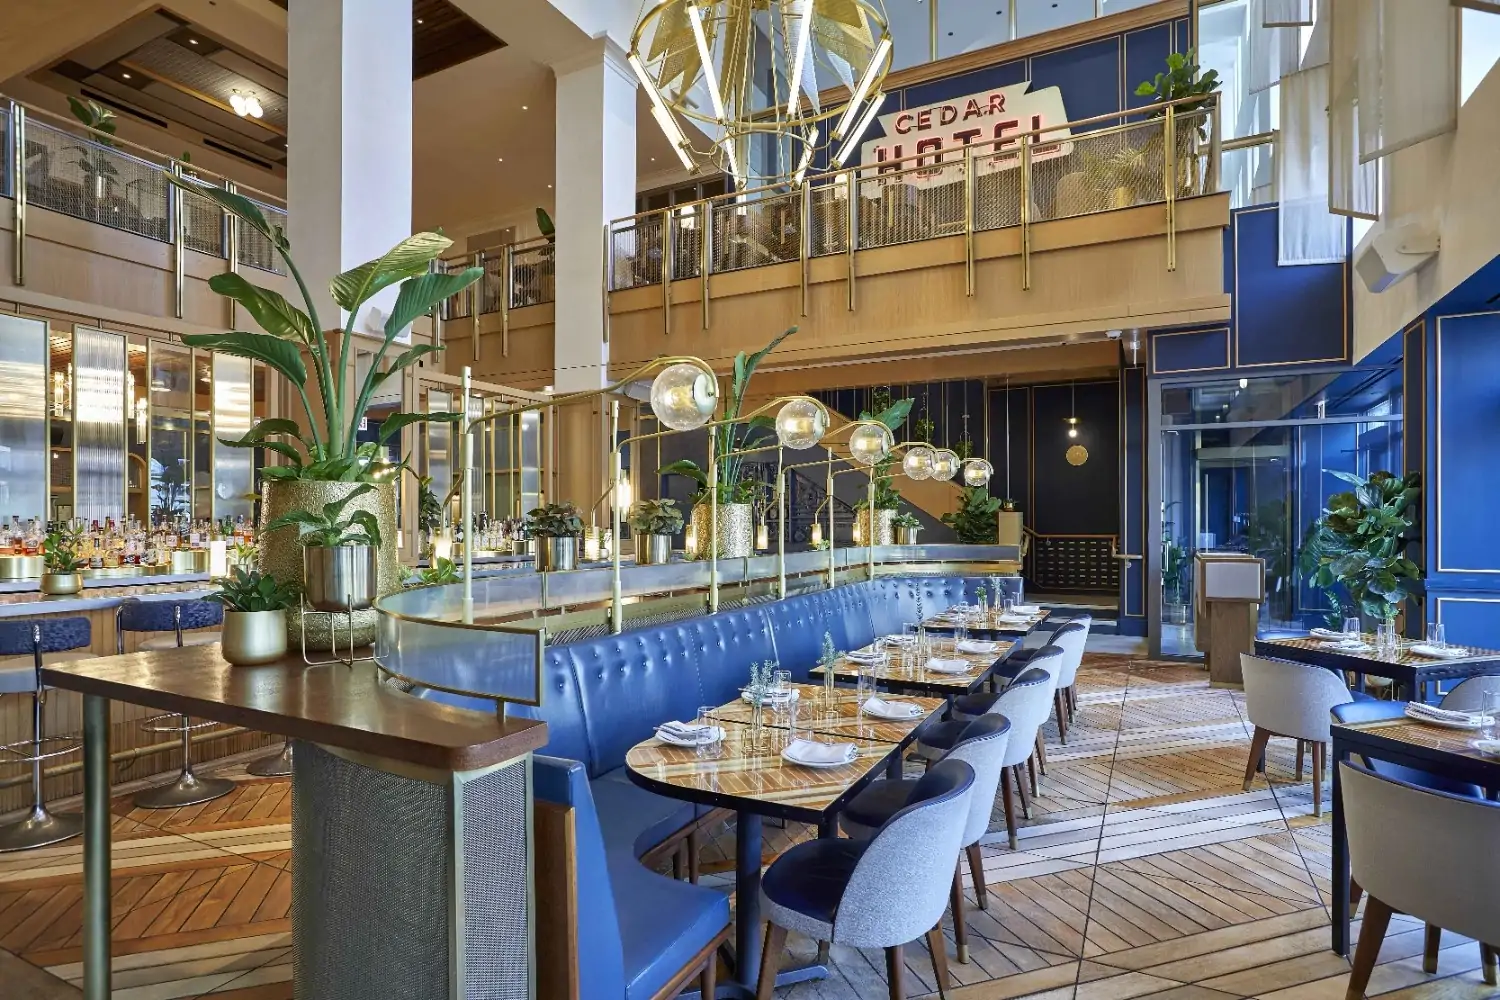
(865, 685)
(708, 749)
(1008, 605)
(791, 721)
(781, 691)
(1489, 724)
(960, 634)
(1351, 629)
(1437, 635)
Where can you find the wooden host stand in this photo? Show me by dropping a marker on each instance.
(1230, 587)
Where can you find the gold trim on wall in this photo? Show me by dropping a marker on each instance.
(1235, 312)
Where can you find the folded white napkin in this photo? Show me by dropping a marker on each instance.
(883, 709)
(1347, 646)
(822, 754)
(1326, 633)
(1428, 713)
(862, 656)
(689, 733)
(899, 640)
(1014, 619)
(1025, 609)
(939, 665)
(1440, 652)
(977, 646)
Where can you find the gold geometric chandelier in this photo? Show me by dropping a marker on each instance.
(744, 76)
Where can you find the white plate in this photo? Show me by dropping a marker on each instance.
(1347, 647)
(690, 744)
(1470, 725)
(915, 713)
(1438, 652)
(1026, 609)
(824, 766)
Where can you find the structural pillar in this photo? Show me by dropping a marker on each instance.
(596, 149)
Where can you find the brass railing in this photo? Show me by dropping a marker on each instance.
(64, 166)
(1148, 156)
(516, 275)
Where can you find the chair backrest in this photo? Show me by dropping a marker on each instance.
(136, 615)
(1291, 699)
(900, 885)
(35, 636)
(1026, 702)
(1468, 695)
(1072, 637)
(1426, 853)
(982, 746)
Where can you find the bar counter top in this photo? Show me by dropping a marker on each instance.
(335, 705)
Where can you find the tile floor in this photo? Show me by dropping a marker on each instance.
(1144, 872)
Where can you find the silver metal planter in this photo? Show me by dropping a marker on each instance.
(339, 577)
(906, 535)
(556, 554)
(653, 550)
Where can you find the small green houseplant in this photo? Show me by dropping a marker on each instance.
(1358, 544)
(338, 552)
(61, 564)
(255, 607)
(887, 500)
(1174, 571)
(907, 525)
(556, 528)
(654, 523)
(974, 522)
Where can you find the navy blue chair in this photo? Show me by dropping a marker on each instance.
(24, 644)
(877, 893)
(168, 619)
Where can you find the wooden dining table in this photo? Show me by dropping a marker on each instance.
(1411, 670)
(1397, 739)
(750, 777)
(920, 680)
(990, 624)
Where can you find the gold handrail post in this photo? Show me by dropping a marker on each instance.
(804, 212)
(713, 520)
(466, 496)
(828, 499)
(179, 252)
(18, 181)
(1215, 150)
(705, 254)
(507, 279)
(968, 219)
(666, 270)
(1169, 171)
(851, 230)
(1025, 186)
(870, 527)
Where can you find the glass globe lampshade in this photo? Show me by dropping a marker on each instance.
(801, 424)
(684, 396)
(944, 464)
(977, 471)
(870, 443)
(918, 462)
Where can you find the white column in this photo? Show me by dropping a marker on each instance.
(595, 183)
(349, 141)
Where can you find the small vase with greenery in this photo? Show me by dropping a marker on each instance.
(1174, 570)
(61, 564)
(442, 571)
(255, 607)
(556, 527)
(654, 523)
(974, 522)
(1358, 545)
(906, 525)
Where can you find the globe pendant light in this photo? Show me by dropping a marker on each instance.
(870, 443)
(977, 472)
(800, 424)
(918, 462)
(683, 396)
(746, 75)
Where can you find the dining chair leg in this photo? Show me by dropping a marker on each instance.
(708, 979)
(1355, 892)
(976, 873)
(694, 856)
(770, 961)
(895, 972)
(1317, 762)
(679, 870)
(1041, 753)
(939, 949)
(1487, 964)
(1031, 772)
(1062, 716)
(1073, 697)
(1431, 942)
(960, 923)
(1010, 808)
(1257, 750)
(1371, 934)
(1021, 790)
(1301, 752)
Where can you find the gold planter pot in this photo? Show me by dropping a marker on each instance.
(736, 531)
(906, 536)
(251, 638)
(61, 584)
(653, 550)
(884, 526)
(281, 552)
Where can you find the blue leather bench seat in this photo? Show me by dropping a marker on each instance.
(636, 929)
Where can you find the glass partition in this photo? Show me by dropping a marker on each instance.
(137, 429)
(232, 476)
(203, 436)
(438, 443)
(170, 417)
(99, 370)
(23, 418)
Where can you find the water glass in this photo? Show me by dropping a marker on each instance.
(960, 634)
(1351, 628)
(1437, 635)
(865, 685)
(781, 691)
(710, 748)
(1489, 725)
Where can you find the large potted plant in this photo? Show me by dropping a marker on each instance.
(339, 550)
(323, 459)
(974, 521)
(255, 607)
(1359, 542)
(61, 565)
(556, 528)
(654, 523)
(736, 526)
(887, 499)
(1174, 570)
(1181, 82)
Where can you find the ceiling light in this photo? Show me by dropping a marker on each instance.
(125, 75)
(864, 123)
(192, 41)
(872, 72)
(237, 102)
(525, 108)
(420, 21)
(499, 159)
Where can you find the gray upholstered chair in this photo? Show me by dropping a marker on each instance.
(168, 618)
(1425, 853)
(1291, 700)
(1073, 638)
(877, 893)
(1468, 694)
(982, 747)
(1026, 702)
(25, 646)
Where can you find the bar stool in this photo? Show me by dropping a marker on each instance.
(173, 616)
(22, 644)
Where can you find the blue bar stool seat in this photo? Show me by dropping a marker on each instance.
(23, 645)
(171, 617)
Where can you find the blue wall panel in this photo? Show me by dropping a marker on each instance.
(1133, 499)
(989, 78)
(1467, 448)
(1088, 74)
(1297, 314)
(1145, 56)
(1179, 351)
(1469, 618)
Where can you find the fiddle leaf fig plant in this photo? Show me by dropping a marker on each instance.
(1358, 544)
(330, 449)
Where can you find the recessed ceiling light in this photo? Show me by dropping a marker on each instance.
(549, 187)
(499, 159)
(125, 75)
(653, 159)
(525, 108)
(192, 41)
(420, 21)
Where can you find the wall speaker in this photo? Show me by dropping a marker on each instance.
(1394, 254)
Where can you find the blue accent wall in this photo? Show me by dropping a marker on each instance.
(1132, 615)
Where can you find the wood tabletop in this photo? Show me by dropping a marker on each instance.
(918, 677)
(842, 718)
(1405, 665)
(988, 623)
(1423, 736)
(338, 706)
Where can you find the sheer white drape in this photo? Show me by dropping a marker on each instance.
(1287, 13)
(1309, 232)
(1272, 52)
(1353, 184)
(1407, 73)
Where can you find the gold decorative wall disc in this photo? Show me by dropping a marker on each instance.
(1077, 455)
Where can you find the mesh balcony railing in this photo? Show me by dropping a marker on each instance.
(515, 276)
(68, 168)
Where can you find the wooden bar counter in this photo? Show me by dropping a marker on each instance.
(410, 819)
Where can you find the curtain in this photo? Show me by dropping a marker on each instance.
(1407, 74)
(1287, 13)
(1272, 52)
(1353, 184)
(1309, 232)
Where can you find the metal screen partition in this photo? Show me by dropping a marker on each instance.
(635, 252)
(204, 225)
(233, 412)
(88, 180)
(99, 421)
(23, 417)
(532, 276)
(255, 250)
